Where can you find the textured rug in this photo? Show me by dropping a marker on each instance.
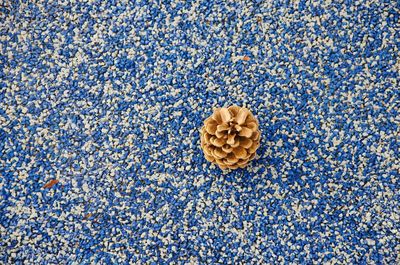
(101, 103)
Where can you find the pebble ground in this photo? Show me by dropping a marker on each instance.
(100, 108)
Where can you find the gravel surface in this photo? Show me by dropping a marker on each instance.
(101, 103)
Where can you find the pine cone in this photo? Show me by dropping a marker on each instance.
(230, 137)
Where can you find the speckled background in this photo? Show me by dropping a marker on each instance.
(100, 108)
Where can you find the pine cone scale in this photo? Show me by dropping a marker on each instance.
(222, 127)
(236, 143)
(246, 142)
(231, 139)
(211, 128)
(241, 116)
(246, 132)
(225, 115)
(227, 148)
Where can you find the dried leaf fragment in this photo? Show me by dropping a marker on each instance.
(87, 216)
(50, 184)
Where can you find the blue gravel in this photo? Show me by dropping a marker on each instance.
(101, 103)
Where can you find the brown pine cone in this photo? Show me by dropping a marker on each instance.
(230, 137)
